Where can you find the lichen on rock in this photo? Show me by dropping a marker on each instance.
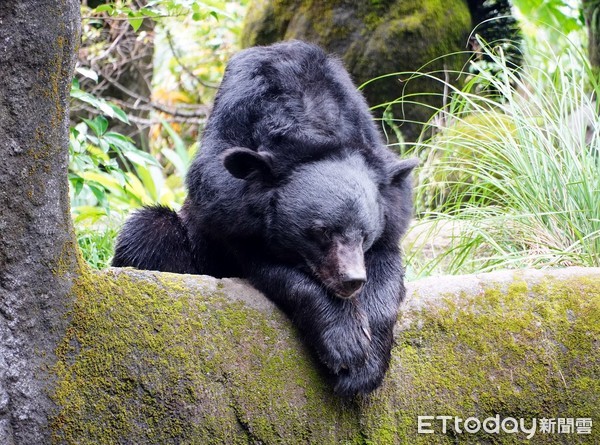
(376, 39)
(162, 358)
(518, 344)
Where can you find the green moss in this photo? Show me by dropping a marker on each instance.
(524, 352)
(129, 366)
(144, 361)
(154, 359)
(266, 21)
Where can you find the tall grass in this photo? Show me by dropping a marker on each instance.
(514, 173)
(97, 245)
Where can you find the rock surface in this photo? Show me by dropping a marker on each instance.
(163, 358)
(375, 39)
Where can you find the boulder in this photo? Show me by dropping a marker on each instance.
(156, 358)
(392, 38)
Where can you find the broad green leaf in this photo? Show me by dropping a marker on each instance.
(105, 8)
(147, 182)
(135, 22)
(100, 180)
(103, 145)
(77, 183)
(140, 158)
(94, 126)
(106, 109)
(118, 113)
(119, 176)
(78, 94)
(120, 142)
(102, 123)
(149, 13)
(99, 193)
(88, 212)
(136, 190)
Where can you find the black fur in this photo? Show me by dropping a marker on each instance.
(155, 238)
(294, 190)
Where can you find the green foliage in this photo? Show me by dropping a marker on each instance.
(510, 160)
(102, 161)
(551, 23)
(104, 171)
(559, 15)
(515, 173)
(191, 55)
(180, 156)
(156, 9)
(109, 175)
(97, 245)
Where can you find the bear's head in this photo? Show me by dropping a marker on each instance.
(323, 215)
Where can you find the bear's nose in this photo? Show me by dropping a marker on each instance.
(352, 285)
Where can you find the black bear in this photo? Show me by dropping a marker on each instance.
(294, 190)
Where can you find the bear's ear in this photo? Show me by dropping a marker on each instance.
(244, 163)
(400, 170)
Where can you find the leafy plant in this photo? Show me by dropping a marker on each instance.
(191, 54)
(558, 17)
(554, 24)
(96, 244)
(102, 162)
(156, 9)
(109, 176)
(512, 179)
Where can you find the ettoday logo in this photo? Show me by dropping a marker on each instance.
(507, 425)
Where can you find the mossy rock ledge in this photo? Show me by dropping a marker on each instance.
(376, 38)
(155, 358)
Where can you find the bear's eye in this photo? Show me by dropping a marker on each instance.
(319, 233)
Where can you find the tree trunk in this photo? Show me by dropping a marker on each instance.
(38, 259)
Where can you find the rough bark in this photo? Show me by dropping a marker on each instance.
(155, 358)
(37, 252)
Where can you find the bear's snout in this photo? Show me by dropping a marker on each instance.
(352, 274)
(351, 287)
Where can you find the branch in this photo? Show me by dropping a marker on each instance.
(184, 67)
(155, 106)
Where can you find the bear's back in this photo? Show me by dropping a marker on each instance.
(292, 98)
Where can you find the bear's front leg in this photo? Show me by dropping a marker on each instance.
(337, 329)
(379, 300)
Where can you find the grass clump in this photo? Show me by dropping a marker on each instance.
(97, 244)
(513, 168)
